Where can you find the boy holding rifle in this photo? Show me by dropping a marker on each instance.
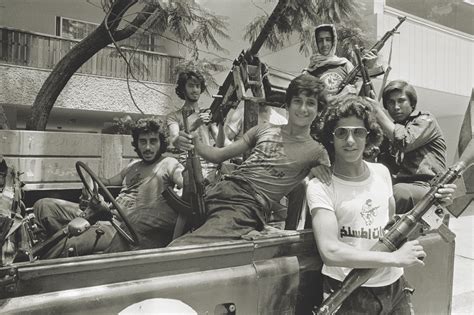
(328, 67)
(349, 214)
(281, 156)
(189, 87)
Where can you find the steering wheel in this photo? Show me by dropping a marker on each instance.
(80, 167)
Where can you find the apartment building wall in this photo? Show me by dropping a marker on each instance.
(40, 16)
(93, 97)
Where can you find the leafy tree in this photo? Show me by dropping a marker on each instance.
(190, 23)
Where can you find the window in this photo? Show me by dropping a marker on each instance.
(76, 29)
(73, 29)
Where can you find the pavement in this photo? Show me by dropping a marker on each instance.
(463, 282)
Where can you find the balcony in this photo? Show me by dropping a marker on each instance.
(29, 49)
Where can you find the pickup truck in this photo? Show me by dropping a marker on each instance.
(269, 274)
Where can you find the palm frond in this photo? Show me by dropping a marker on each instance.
(302, 16)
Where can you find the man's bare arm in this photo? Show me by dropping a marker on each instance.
(217, 155)
(173, 129)
(384, 120)
(113, 181)
(336, 253)
(178, 176)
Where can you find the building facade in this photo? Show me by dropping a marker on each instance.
(35, 35)
(433, 51)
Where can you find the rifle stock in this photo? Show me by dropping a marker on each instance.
(351, 77)
(226, 98)
(397, 235)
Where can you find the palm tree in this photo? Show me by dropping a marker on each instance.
(190, 23)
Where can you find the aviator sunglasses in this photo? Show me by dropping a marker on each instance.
(343, 132)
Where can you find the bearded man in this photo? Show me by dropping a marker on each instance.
(142, 183)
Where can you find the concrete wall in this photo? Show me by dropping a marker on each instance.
(47, 159)
(436, 60)
(84, 93)
(428, 55)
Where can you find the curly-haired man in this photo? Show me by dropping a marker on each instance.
(189, 87)
(349, 214)
(142, 183)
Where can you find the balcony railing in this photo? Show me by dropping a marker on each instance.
(44, 51)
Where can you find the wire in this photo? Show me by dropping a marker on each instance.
(150, 32)
(106, 23)
(129, 68)
(222, 57)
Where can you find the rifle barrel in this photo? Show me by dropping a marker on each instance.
(266, 29)
(252, 51)
(377, 46)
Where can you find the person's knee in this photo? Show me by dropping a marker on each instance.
(44, 207)
(403, 198)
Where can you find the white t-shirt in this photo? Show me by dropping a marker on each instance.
(362, 211)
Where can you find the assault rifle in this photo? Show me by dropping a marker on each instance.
(191, 205)
(367, 88)
(352, 76)
(245, 72)
(427, 210)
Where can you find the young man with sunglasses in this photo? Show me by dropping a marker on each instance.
(416, 144)
(349, 214)
(280, 158)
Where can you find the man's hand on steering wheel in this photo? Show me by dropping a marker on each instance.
(99, 209)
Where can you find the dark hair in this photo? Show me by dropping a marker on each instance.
(347, 106)
(148, 125)
(400, 86)
(183, 77)
(327, 28)
(311, 86)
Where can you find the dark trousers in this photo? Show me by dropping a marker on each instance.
(407, 195)
(231, 213)
(394, 299)
(54, 214)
